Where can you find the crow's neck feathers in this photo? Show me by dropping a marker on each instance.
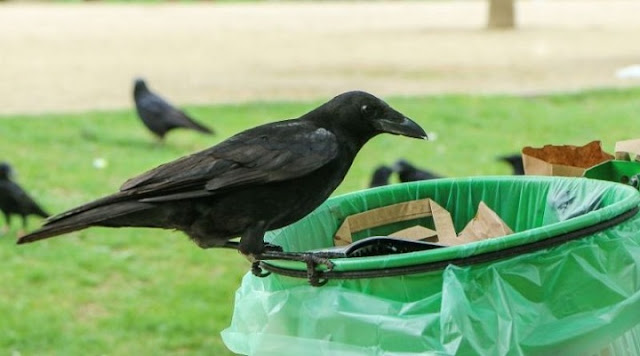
(349, 128)
(140, 89)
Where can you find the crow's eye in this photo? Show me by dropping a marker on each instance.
(365, 109)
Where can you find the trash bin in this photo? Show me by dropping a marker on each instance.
(625, 172)
(566, 282)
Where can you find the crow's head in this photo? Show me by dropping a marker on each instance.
(6, 172)
(139, 85)
(515, 161)
(511, 159)
(380, 176)
(363, 113)
(402, 166)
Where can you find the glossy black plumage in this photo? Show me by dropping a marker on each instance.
(258, 180)
(409, 173)
(14, 200)
(380, 176)
(515, 161)
(158, 115)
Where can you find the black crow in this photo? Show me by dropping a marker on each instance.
(14, 200)
(380, 176)
(258, 180)
(408, 173)
(158, 115)
(515, 161)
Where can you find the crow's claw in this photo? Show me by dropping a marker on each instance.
(258, 271)
(313, 275)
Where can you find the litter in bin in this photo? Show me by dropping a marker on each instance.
(377, 246)
(486, 224)
(588, 161)
(563, 160)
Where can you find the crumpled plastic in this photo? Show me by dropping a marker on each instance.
(578, 298)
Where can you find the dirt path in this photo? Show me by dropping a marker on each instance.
(67, 57)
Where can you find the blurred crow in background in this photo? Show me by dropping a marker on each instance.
(258, 180)
(408, 173)
(158, 115)
(380, 176)
(515, 161)
(14, 200)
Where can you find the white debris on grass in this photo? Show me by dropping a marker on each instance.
(100, 163)
(629, 72)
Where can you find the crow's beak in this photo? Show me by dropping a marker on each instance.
(404, 127)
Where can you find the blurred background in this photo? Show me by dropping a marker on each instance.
(484, 77)
(73, 56)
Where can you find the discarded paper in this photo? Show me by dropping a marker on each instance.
(486, 224)
(565, 160)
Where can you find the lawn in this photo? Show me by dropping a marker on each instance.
(135, 291)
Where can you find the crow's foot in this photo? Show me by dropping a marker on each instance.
(313, 275)
(258, 271)
(312, 260)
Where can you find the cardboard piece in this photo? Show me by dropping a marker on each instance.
(565, 160)
(628, 150)
(485, 225)
(409, 210)
(417, 233)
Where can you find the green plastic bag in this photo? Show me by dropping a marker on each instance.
(567, 282)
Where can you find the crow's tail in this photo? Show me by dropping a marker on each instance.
(105, 215)
(40, 212)
(192, 124)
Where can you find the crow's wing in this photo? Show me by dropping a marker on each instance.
(269, 153)
(25, 203)
(153, 104)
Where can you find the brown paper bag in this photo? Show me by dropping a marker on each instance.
(486, 224)
(566, 160)
(445, 232)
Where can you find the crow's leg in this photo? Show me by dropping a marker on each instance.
(24, 226)
(7, 220)
(251, 245)
(159, 141)
(255, 264)
(267, 246)
(251, 242)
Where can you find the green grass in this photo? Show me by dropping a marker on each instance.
(135, 291)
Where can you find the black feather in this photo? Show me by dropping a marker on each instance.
(409, 173)
(515, 161)
(380, 176)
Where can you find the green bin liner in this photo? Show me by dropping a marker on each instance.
(567, 282)
(625, 172)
